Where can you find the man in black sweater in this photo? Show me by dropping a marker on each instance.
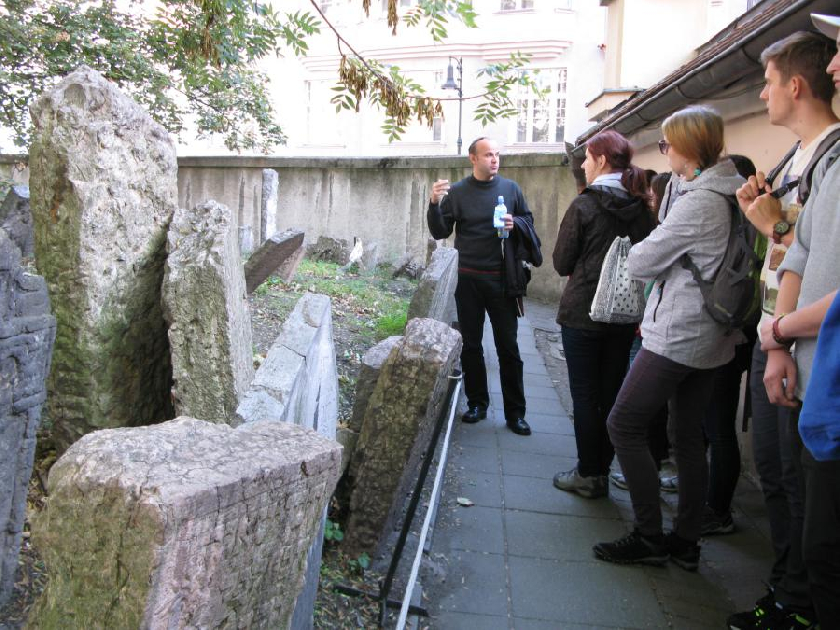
(468, 207)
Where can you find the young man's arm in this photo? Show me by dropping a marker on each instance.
(780, 374)
(805, 322)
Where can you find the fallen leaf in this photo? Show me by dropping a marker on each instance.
(465, 502)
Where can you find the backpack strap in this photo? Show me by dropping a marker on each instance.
(808, 174)
(774, 172)
(738, 221)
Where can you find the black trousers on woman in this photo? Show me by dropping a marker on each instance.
(597, 363)
(652, 381)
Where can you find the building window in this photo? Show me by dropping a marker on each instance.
(437, 129)
(516, 5)
(543, 120)
(400, 3)
(325, 5)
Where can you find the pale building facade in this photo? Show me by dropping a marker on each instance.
(662, 55)
(564, 39)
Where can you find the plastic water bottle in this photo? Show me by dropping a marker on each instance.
(499, 213)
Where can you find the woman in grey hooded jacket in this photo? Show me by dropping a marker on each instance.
(681, 342)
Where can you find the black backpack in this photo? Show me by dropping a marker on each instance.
(729, 297)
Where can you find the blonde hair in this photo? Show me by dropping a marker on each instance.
(697, 133)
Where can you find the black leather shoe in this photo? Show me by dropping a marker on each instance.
(518, 426)
(473, 414)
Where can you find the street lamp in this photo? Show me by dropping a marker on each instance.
(451, 85)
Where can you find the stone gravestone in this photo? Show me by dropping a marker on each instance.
(27, 332)
(435, 295)
(397, 428)
(278, 255)
(103, 190)
(205, 305)
(184, 524)
(268, 203)
(16, 219)
(365, 384)
(326, 248)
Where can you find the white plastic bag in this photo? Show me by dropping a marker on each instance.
(618, 299)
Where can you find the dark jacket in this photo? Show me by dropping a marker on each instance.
(522, 246)
(593, 220)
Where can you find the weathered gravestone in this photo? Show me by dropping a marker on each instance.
(205, 306)
(326, 248)
(103, 190)
(184, 524)
(27, 332)
(281, 254)
(435, 295)
(366, 380)
(268, 203)
(397, 427)
(297, 382)
(16, 219)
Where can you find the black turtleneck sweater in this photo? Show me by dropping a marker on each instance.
(469, 208)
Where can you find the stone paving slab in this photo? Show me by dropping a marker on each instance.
(476, 584)
(557, 536)
(524, 464)
(577, 591)
(475, 528)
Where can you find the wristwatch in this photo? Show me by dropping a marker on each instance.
(779, 230)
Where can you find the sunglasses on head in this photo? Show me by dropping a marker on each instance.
(664, 145)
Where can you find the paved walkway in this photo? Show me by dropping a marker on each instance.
(521, 556)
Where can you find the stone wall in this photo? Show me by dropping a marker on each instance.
(381, 200)
(27, 333)
(205, 306)
(184, 524)
(103, 189)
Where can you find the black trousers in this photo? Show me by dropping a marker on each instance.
(597, 362)
(476, 295)
(652, 381)
(821, 537)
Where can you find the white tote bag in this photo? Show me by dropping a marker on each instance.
(618, 299)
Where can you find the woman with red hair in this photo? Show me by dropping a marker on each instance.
(614, 203)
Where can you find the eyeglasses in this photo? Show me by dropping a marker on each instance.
(664, 145)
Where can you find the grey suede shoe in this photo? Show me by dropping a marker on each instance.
(587, 487)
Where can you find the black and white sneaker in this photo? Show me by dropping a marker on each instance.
(633, 549)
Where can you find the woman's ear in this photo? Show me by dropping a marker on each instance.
(601, 161)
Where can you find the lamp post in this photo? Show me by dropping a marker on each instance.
(451, 85)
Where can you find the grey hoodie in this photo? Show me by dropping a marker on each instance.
(696, 221)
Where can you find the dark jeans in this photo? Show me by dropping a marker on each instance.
(792, 590)
(475, 295)
(719, 426)
(658, 436)
(653, 380)
(821, 537)
(772, 455)
(597, 364)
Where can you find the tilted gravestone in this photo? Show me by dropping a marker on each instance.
(326, 248)
(103, 190)
(397, 427)
(16, 219)
(27, 332)
(298, 383)
(278, 255)
(365, 384)
(435, 295)
(184, 524)
(205, 305)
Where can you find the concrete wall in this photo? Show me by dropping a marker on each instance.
(380, 200)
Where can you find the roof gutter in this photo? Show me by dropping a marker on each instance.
(725, 68)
